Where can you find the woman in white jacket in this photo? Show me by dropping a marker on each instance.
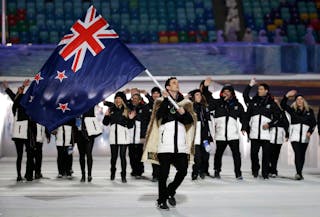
(64, 143)
(302, 125)
(118, 117)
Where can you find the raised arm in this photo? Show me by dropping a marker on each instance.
(284, 101)
(212, 102)
(246, 91)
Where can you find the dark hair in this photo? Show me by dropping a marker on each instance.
(266, 86)
(203, 98)
(156, 89)
(168, 81)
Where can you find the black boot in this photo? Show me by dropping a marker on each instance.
(83, 178)
(163, 205)
(19, 178)
(89, 178)
(123, 177)
(113, 175)
(217, 175)
(172, 201)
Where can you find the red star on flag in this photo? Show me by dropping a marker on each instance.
(63, 107)
(38, 77)
(61, 75)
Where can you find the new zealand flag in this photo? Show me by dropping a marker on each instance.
(88, 65)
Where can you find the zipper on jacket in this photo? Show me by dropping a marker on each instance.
(63, 136)
(300, 139)
(134, 133)
(116, 134)
(162, 136)
(176, 137)
(19, 129)
(226, 128)
(259, 129)
(94, 125)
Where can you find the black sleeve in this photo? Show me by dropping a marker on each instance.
(163, 108)
(109, 104)
(212, 102)
(149, 97)
(275, 115)
(285, 124)
(319, 121)
(243, 118)
(312, 123)
(186, 118)
(245, 94)
(11, 94)
(16, 103)
(106, 120)
(285, 106)
(144, 121)
(130, 122)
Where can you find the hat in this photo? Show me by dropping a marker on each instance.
(122, 96)
(227, 87)
(193, 92)
(295, 98)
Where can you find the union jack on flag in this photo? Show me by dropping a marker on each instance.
(88, 65)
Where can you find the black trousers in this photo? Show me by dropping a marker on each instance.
(255, 148)
(275, 152)
(135, 155)
(20, 143)
(34, 159)
(155, 171)
(201, 158)
(180, 162)
(85, 146)
(299, 155)
(221, 147)
(114, 156)
(64, 160)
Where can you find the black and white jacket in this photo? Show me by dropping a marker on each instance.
(280, 132)
(23, 127)
(301, 122)
(203, 130)
(140, 124)
(226, 115)
(260, 111)
(63, 135)
(119, 125)
(172, 128)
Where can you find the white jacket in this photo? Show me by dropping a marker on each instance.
(64, 135)
(93, 126)
(256, 130)
(118, 135)
(298, 133)
(226, 131)
(134, 133)
(166, 137)
(277, 135)
(20, 131)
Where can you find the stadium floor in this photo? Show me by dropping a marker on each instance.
(210, 197)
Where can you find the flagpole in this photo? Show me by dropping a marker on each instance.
(3, 23)
(162, 89)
